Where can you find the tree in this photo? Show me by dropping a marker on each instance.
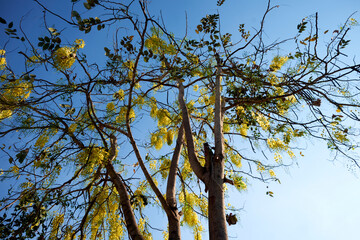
(91, 149)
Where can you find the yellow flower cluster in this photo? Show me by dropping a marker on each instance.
(158, 45)
(91, 158)
(72, 128)
(42, 140)
(119, 95)
(272, 173)
(122, 115)
(239, 183)
(165, 235)
(110, 107)
(14, 92)
(243, 129)
(65, 57)
(165, 167)
(236, 159)
(260, 167)
(240, 110)
(277, 63)
(276, 144)
(79, 43)
(17, 91)
(130, 66)
(156, 141)
(340, 136)
(14, 170)
(153, 165)
(158, 137)
(146, 234)
(33, 60)
(191, 201)
(99, 212)
(5, 114)
(162, 115)
(2, 59)
(186, 170)
(277, 157)
(262, 120)
(104, 214)
(55, 226)
(116, 229)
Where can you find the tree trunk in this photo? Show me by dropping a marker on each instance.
(125, 204)
(216, 210)
(173, 216)
(213, 173)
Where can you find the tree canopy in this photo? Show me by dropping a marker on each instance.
(163, 122)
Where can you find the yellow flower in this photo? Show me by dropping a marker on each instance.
(243, 129)
(64, 58)
(42, 140)
(260, 167)
(2, 63)
(110, 106)
(5, 114)
(277, 157)
(277, 63)
(153, 165)
(263, 121)
(169, 137)
(80, 43)
(276, 144)
(56, 223)
(272, 173)
(239, 183)
(119, 95)
(72, 128)
(236, 159)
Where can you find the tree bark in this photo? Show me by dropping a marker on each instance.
(172, 213)
(130, 220)
(174, 218)
(125, 204)
(216, 206)
(199, 170)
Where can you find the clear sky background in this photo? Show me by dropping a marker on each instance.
(317, 198)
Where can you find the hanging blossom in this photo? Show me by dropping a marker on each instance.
(2, 59)
(65, 57)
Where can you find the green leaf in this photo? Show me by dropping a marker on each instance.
(46, 46)
(22, 155)
(70, 111)
(11, 25)
(2, 20)
(220, 2)
(64, 105)
(87, 6)
(76, 15)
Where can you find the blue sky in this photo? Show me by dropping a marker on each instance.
(317, 198)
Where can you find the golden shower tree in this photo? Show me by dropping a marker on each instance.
(92, 145)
